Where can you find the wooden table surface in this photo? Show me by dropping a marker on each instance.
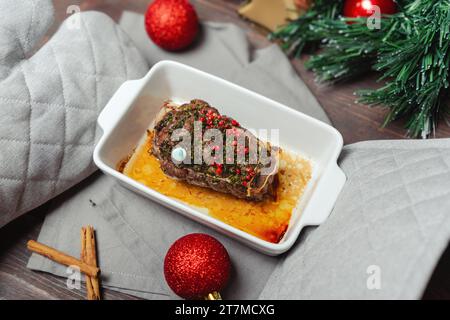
(355, 122)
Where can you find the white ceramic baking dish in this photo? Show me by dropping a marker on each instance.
(135, 104)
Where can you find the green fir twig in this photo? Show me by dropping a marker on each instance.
(411, 51)
(416, 68)
(297, 35)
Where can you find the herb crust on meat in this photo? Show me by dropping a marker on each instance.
(245, 180)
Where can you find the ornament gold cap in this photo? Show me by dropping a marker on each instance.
(213, 296)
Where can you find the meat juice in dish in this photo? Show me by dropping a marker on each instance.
(255, 196)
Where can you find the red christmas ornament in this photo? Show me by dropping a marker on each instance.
(364, 8)
(196, 266)
(171, 24)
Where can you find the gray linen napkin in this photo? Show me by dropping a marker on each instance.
(50, 99)
(389, 227)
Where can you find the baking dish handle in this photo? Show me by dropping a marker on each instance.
(118, 104)
(326, 195)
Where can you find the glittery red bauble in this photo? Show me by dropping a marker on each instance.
(196, 265)
(171, 24)
(363, 8)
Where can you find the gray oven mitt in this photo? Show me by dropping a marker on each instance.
(383, 239)
(386, 233)
(50, 99)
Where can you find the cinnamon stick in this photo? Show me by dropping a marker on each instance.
(89, 256)
(62, 258)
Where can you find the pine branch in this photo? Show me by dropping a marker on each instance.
(411, 50)
(298, 34)
(417, 69)
(351, 48)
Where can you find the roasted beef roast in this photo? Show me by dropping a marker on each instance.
(239, 171)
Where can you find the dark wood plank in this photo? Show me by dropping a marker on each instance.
(355, 122)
